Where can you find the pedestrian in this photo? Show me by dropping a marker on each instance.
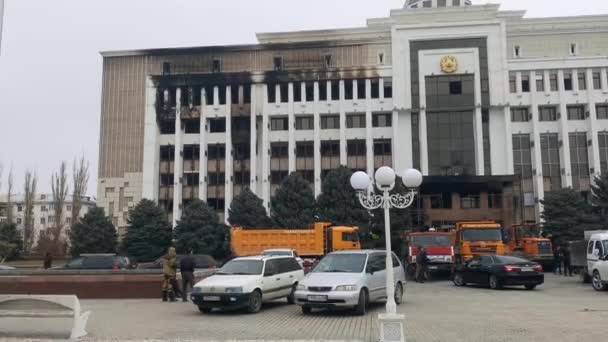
(566, 257)
(186, 267)
(421, 264)
(169, 274)
(48, 261)
(557, 260)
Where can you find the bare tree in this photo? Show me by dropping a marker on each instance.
(28, 215)
(9, 197)
(81, 178)
(59, 187)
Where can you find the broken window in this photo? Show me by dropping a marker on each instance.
(310, 91)
(166, 68)
(216, 65)
(272, 93)
(247, 93)
(209, 95)
(192, 126)
(335, 90)
(217, 125)
(234, 94)
(375, 88)
(222, 95)
(388, 88)
(348, 89)
(360, 89)
(284, 89)
(297, 92)
(323, 91)
(278, 63)
(328, 60)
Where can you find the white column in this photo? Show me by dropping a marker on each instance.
(317, 137)
(150, 184)
(479, 153)
(563, 124)
(547, 81)
(179, 161)
(422, 133)
(604, 79)
(537, 160)
(369, 139)
(343, 143)
(228, 190)
(575, 85)
(509, 140)
(264, 151)
(518, 87)
(202, 175)
(594, 152)
(253, 138)
(291, 128)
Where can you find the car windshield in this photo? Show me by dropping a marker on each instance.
(482, 234)
(431, 240)
(510, 260)
(277, 253)
(344, 263)
(242, 267)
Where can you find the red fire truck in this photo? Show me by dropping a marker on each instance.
(439, 248)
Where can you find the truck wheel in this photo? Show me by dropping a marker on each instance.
(361, 307)
(597, 283)
(495, 283)
(255, 302)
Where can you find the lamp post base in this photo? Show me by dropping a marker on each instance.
(391, 327)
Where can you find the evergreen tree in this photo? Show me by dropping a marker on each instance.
(599, 196)
(94, 233)
(567, 215)
(339, 203)
(400, 219)
(11, 242)
(247, 210)
(293, 205)
(200, 231)
(149, 234)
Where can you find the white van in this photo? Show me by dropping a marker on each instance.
(597, 260)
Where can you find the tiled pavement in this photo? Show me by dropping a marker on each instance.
(560, 310)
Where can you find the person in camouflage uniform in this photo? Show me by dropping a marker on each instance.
(169, 274)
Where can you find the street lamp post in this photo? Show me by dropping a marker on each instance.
(391, 323)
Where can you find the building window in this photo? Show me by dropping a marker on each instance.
(512, 82)
(568, 81)
(217, 125)
(284, 92)
(553, 81)
(279, 150)
(495, 200)
(305, 164)
(271, 92)
(330, 122)
(520, 114)
(304, 123)
(216, 178)
(602, 111)
(383, 153)
(375, 83)
(192, 126)
(361, 89)
(382, 120)
(330, 148)
(328, 61)
(573, 49)
(547, 113)
(277, 63)
(455, 87)
(335, 90)
(576, 112)
(305, 149)
(216, 65)
(309, 90)
(381, 56)
(388, 88)
(522, 156)
(603, 145)
(525, 83)
(517, 51)
(357, 154)
(441, 201)
(540, 81)
(323, 91)
(470, 201)
(42, 220)
(549, 146)
(19, 208)
(355, 121)
(582, 80)
(279, 124)
(43, 208)
(597, 80)
(51, 219)
(579, 159)
(18, 220)
(216, 151)
(427, 4)
(297, 92)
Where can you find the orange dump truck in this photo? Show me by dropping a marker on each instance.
(477, 238)
(525, 241)
(321, 238)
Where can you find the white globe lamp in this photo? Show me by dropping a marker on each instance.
(412, 178)
(385, 177)
(360, 181)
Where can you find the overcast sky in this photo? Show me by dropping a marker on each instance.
(50, 67)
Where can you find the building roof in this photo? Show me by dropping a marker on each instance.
(44, 198)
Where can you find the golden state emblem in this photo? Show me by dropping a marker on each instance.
(449, 64)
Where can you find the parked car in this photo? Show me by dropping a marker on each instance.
(284, 252)
(201, 261)
(97, 262)
(247, 282)
(497, 271)
(350, 279)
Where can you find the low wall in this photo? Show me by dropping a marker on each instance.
(86, 285)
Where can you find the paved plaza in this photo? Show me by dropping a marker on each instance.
(560, 310)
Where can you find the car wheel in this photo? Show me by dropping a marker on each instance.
(204, 310)
(291, 299)
(459, 280)
(361, 308)
(495, 283)
(399, 293)
(306, 310)
(530, 287)
(597, 283)
(255, 302)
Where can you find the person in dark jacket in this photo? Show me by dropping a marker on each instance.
(186, 266)
(557, 260)
(48, 261)
(567, 261)
(422, 260)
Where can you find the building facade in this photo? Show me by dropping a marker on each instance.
(43, 212)
(495, 109)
